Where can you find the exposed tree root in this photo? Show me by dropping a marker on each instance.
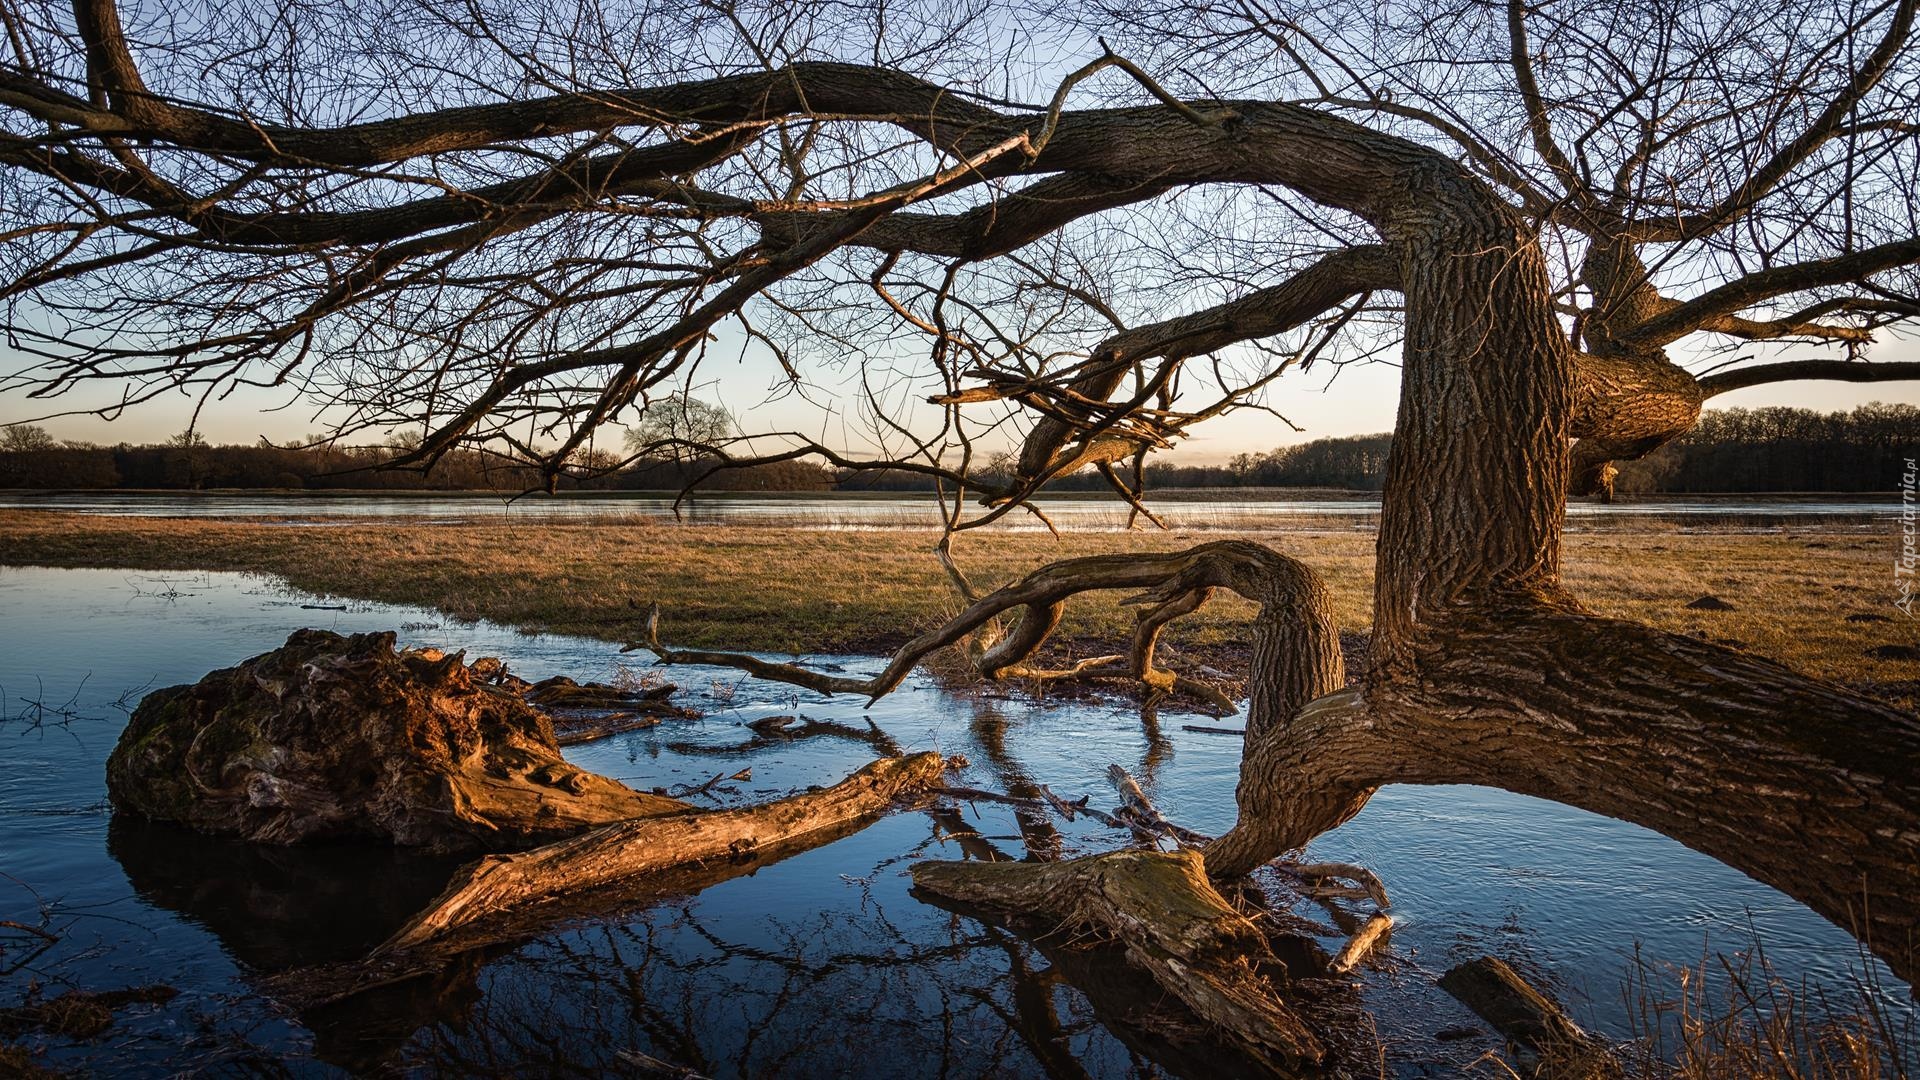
(1162, 909)
(1293, 602)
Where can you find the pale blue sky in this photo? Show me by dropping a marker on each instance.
(1361, 399)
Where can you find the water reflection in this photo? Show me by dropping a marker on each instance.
(277, 907)
(650, 973)
(910, 511)
(822, 964)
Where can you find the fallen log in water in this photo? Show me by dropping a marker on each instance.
(771, 731)
(404, 989)
(594, 876)
(1311, 875)
(497, 883)
(1531, 1020)
(1165, 913)
(1363, 942)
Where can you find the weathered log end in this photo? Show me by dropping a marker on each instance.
(497, 884)
(1557, 1047)
(1170, 920)
(332, 737)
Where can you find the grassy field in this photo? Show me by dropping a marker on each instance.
(773, 589)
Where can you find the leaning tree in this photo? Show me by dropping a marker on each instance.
(507, 227)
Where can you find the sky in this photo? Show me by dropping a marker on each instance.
(1357, 399)
(1354, 400)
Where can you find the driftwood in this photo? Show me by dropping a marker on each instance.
(78, 1014)
(1144, 818)
(584, 713)
(1531, 1020)
(1165, 913)
(1368, 884)
(649, 1067)
(967, 794)
(1362, 944)
(500, 882)
(773, 731)
(422, 980)
(718, 778)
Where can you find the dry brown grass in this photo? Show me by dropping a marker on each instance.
(776, 589)
(1733, 1017)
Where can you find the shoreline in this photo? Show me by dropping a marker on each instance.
(1816, 599)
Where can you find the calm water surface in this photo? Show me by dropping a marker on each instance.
(822, 965)
(851, 511)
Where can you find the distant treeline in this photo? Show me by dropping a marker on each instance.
(1730, 450)
(189, 465)
(1783, 449)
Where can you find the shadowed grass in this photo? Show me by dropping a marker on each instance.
(787, 590)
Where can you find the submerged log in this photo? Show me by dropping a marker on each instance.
(498, 883)
(1363, 942)
(1557, 1047)
(585, 713)
(1162, 910)
(331, 737)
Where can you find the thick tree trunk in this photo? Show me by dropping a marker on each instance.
(1483, 671)
(1471, 511)
(1801, 784)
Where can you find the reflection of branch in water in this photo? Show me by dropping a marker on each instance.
(23, 943)
(1159, 748)
(948, 822)
(989, 730)
(816, 997)
(1034, 1016)
(36, 716)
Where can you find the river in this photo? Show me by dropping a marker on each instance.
(1181, 510)
(823, 965)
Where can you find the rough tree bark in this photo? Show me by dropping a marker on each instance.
(1483, 670)
(1172, 923)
